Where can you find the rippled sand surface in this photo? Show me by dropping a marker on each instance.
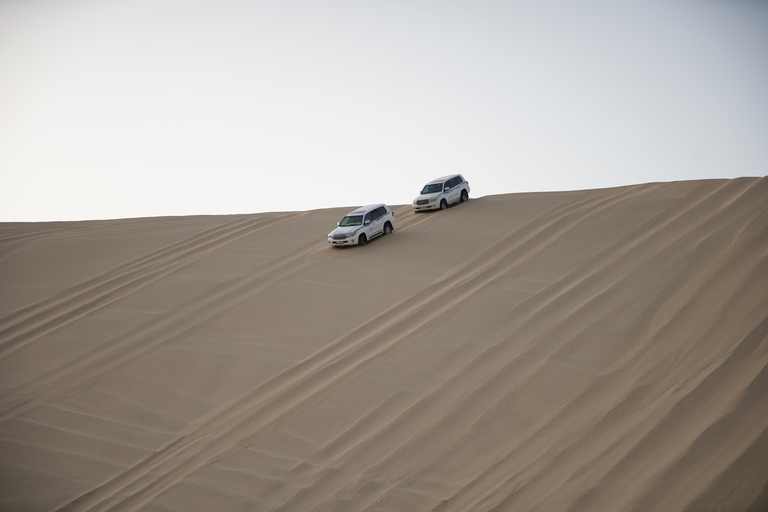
(596, 350)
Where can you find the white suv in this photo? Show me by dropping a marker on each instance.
(363, 224)
(441, 192)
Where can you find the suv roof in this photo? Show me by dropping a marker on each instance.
(444, 178)
(366, 209)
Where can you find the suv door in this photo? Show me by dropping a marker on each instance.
(379, 214)
(453, 193)
(368, 225)
(374, 228)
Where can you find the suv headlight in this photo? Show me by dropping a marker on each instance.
(433, 200)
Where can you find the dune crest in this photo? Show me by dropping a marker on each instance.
(566, 351)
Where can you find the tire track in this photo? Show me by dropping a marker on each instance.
(42, 306)
(377, 471)
(498, 380)
(245, 419)
(661, 227)
(499, 471)
(88, 369)
(545, 228)
(22, 327)
(14, 238)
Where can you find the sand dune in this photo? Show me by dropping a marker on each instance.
(591, 350)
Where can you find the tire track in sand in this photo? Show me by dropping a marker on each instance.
(22, 327)
(88, 369)
(459, 499)
(246, 418)
(499, 382)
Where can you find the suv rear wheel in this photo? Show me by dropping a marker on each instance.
(387, 228)
(464, 196)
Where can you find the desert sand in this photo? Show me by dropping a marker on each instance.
(597, 350)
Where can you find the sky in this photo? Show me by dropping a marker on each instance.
(145, 108)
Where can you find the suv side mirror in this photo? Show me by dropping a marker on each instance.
(367, 222)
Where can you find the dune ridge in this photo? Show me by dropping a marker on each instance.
(587, 350)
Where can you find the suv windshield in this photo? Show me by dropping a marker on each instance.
(432, 188)
(352, 220)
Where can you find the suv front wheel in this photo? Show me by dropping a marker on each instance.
(362, 240)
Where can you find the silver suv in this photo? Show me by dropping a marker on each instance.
(441, 192)
(363, 224)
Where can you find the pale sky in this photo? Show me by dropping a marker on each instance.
(144, 108)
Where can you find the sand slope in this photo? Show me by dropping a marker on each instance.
(593, 350)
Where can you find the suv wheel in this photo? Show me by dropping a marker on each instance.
(387, 228)
(464, 196)
(362, 240)
(443, 204)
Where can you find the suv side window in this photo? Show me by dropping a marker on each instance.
(382, 211)
(368, 217)
(455, 181)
